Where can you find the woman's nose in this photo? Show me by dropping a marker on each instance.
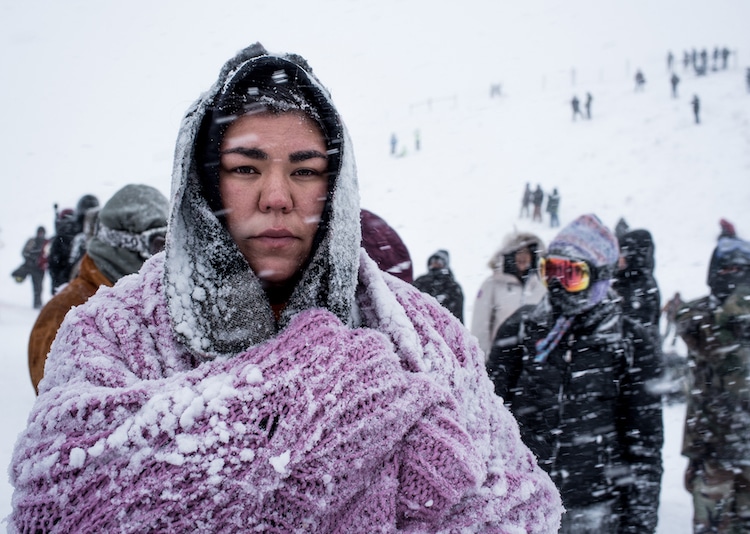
(275, 194)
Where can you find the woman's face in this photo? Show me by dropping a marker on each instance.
(523, 260)
(273, 183)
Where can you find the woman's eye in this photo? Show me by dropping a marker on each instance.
(245, 169)
(306, 172)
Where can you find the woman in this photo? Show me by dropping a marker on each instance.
(262, 373)
(514, 283)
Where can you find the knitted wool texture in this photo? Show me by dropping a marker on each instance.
(324, 428)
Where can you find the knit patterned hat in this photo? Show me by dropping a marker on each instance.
(586, 238)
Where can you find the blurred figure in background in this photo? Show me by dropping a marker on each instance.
(670, 311)
(553, 208)
(716, 330)
(635, 282)
(58, 261)
(83, 238)
(34, 264)
(526, 201)
(538, 200)
(576, 373)
(440, 283)
(133, 225)
(385, 246)
(696, 103)
(514, 283)
(68, 224)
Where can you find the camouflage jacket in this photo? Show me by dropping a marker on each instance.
(717, 424)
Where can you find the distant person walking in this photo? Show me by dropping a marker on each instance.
(674, 80)
(537, 199)
(576, 105)
(589, 99)
(394, 144)
(553, 208)
(696, 102)
(747, 79)
(670, 311)
(526, 201)
(34, 264)
(640, 80)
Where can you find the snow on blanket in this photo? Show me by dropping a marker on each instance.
(324, 428)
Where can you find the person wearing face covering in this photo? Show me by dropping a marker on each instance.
(716, 441)
(131, 228)
(577, 374)
(262, 373)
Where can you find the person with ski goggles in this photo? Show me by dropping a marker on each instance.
(576, 374)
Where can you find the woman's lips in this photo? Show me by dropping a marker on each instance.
(275, 238)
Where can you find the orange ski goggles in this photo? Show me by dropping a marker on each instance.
(573, 275)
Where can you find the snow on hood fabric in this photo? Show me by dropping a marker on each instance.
(174, 402)
(133, 209)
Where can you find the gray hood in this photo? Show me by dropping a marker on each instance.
(133, 209)
(217, 304)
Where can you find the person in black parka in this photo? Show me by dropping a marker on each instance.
(576, 373)
(68, 224)
(59, 267)
(440, 283)
(635, 282)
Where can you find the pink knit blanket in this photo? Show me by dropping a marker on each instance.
(325, 428)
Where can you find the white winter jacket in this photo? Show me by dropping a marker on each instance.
(503, 293)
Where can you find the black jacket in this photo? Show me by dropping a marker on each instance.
(59, 266)
(636, 285)
(440, 284)
(586, 412)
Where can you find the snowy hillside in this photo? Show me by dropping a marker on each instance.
(94, 92)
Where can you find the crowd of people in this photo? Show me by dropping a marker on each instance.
(698, 63)
(255, 354)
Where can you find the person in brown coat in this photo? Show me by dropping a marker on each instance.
(131, 228)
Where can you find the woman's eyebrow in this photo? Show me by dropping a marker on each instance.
(303, 155)
(254, 153)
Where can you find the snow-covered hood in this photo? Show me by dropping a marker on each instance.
(216, 303)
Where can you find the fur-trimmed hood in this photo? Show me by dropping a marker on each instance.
(512, 243)
(216, 303)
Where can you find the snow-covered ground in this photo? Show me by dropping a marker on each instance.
(93, 93)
